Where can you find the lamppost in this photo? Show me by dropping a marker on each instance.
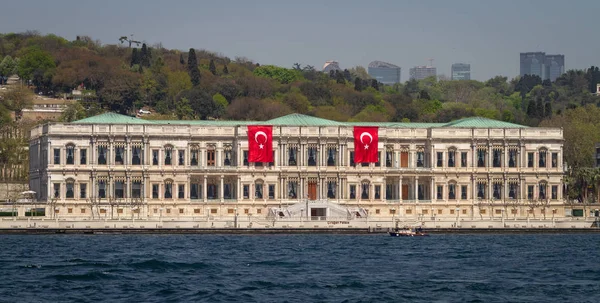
(235, 220)
(301, 214)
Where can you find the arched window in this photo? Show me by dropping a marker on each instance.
(364, 193)
(451, 157)
(168, 189)
(168, 154)
(70, 154)
(542, 157)
(70, 192)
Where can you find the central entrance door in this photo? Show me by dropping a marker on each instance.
(312, 190)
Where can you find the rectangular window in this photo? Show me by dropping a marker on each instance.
(529, 159)
(331, 187)
(542, 191)
(292, 189)
(101, 189)
(246, 191)
(271, 191)
(136, 189)
(168, 190)
(530, 192)
(136, 155)
(554, 192)
(554, 160)
(497, 155)
(420, 159)
(181, 157)
(154, 191)
(258, 191)
(227, 160)
(440, 192)
(463, 192)
(377, 192)
(463, 159)
(194, 193)
(227, 194)
(119, 189)
(83, 156)
(180, 191)
(56, 187)
(82, 191)
(272, 163)
(451, 158)
(168, 156)
(352, 159)
(331, 152)
(352, 191)
(451, 191)
(364, 191)
(378, 163)
(481, 190)
(70, 193)
(312, 156)
(155, 157)
(542, 158)
(389, 192)
(512, 158)
(119, 155)
(245, 154)
(194, 158)
(497, 187)
(57, 156)
(512, 190)
(293, 152)
(70, 155)
(440, 159)
(481, 158)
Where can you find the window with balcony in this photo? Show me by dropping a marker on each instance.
(452, 191)
(136, 189)
(312, 156)
(227, 160)
(377, 192)
(463, 192)
(439, 192)
(155, 191)
(271, 191)
(512, 158)
(554, 160)
(56, 190)
(352, 191)
(451, 158)
(497, 157)
(180, 191)
(168, 155)
(155, 157)
(119, 155)
(258, 191)
(82, 190)
(136, 155)
(481, 157)
(497, 187)
(293, 152)
(181, 157)
(210, 157)
(440, 159)
(83, 156)
(331, 156)
(70, 193)
(389, 157)
(420, 159)
(119, 189)
(70, 155)
(168, 190)
(542, 159)
(554, 192)
(463, 159)
(194, 157)
(331, 187)
(530, 192)
(364, 191)
(57, 156)
(530, 159)
(101, 189)
(292, 189)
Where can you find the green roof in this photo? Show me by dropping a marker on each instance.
(301, 120)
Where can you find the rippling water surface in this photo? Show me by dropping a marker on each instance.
(300, 268)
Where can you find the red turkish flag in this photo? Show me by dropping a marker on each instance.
(366, 139)
(260, 143)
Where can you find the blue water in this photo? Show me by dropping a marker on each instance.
(300, 268)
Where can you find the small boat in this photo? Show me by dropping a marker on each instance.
(408, 232)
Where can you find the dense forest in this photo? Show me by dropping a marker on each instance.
(128, 75)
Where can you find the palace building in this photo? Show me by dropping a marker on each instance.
(118, 166)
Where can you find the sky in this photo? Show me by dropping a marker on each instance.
(487, 34)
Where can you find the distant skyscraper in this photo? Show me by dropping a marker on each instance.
(384, 72)
(547, 67)
(555, 66)
(331, 65)
(422, 72)
(461, 71)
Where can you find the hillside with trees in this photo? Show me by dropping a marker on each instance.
(128, 75)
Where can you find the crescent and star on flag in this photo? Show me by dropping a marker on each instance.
(370, 141)
(260, 144)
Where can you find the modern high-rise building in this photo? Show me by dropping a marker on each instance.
(422, 72)
(461, 71)
(331, 66)
(555, 66)
(547, 67)
(384, 72)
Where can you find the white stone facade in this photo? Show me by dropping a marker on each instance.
(177, 170)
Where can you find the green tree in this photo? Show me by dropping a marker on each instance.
(135, 57)
(181, 60)
(358, 84)
(145, 56)
(17, 99)
(211, 67)
(74, 111)
(8, 67)
(283, 75)
(36, 64)
(183, 109)
(193, 70)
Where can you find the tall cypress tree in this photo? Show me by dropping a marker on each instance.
(145, 56)
(225, 70)
(135, 57)
(358, 84)
(181, 60)
(193, 70)
(211, 67)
